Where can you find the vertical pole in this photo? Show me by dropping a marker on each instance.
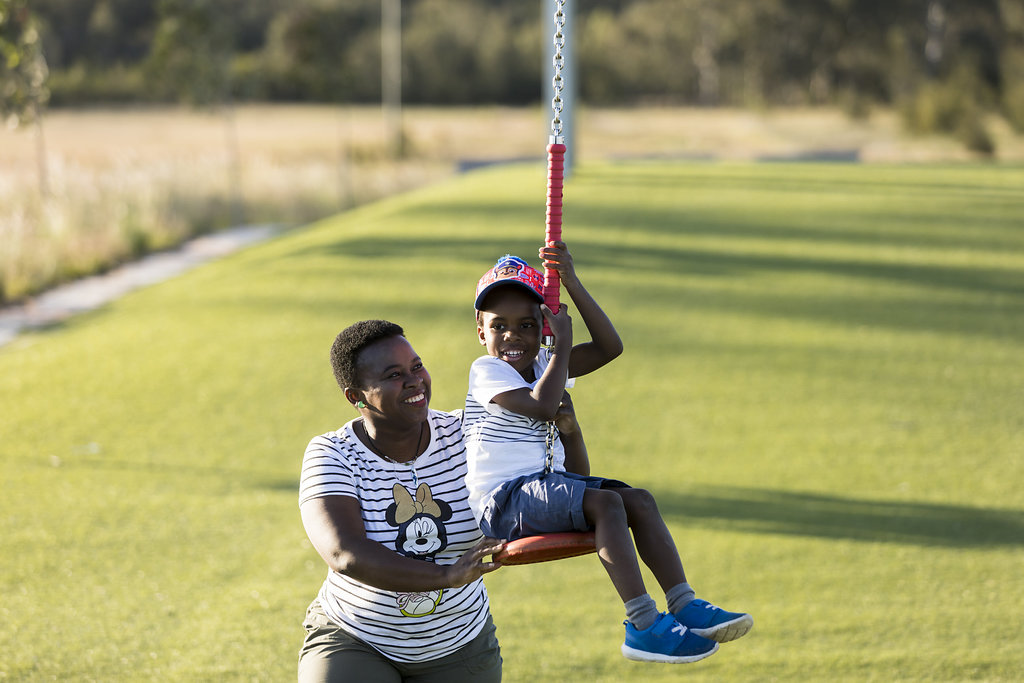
(569, 88)
(391, 73)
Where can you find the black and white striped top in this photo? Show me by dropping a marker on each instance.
(419, 510)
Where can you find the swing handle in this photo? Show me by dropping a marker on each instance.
(553, 231)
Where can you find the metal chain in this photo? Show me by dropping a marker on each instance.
(558, 61)
(549, 446)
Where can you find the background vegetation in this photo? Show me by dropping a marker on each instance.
(943, 62)
(821, 385)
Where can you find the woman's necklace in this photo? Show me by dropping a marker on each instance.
(411, 464)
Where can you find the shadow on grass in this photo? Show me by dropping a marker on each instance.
(923, 302)
(807, 514)
(488, 248)
(950, 228)
(990, 182)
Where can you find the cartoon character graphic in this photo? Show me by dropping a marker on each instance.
(421, 534)
(510, 269)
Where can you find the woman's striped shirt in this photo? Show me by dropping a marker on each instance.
(419, 510)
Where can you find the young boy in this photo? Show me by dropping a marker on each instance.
(517, 481)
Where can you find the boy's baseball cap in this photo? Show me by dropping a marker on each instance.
(510, 270)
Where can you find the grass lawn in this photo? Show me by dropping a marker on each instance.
(822, 386)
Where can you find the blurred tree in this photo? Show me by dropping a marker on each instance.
(23, 73)
(190, 59)
(327, 52)
(191, 52)
(1011, 62)
(102, 29)
(445, 36)
(462, 51)
(706, 51)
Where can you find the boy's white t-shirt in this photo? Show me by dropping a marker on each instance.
(502, 445)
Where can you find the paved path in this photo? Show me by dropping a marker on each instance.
(92, 292)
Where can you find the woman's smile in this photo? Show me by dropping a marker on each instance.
(419, 398)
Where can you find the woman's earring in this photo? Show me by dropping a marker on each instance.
(360, 405)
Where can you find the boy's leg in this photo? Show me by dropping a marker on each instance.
(653, 540)
(604, 510)
(650, 636)
(557, 502)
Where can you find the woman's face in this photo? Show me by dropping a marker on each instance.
(394, 382)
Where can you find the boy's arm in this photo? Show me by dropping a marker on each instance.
(576, 459)
(542, 402)
(605, 344)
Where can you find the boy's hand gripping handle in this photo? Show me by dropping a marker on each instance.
(553, 231)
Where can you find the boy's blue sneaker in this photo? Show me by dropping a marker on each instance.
(666, 641)
(704, 619)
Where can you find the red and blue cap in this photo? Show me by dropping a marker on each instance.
(510, 270)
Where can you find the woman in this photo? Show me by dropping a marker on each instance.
(384, 502)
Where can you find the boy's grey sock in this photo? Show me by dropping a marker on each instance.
(679, 596)
(642, 611)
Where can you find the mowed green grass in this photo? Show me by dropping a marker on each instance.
(822, 385)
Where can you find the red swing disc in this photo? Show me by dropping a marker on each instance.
(532, 549)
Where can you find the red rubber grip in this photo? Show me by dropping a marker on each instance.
(553, 230)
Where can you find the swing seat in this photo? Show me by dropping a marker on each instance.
(546, 547)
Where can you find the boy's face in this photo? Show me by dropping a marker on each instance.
(510, 327)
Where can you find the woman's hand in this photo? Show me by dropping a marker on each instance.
(471, 566)
(576, 459)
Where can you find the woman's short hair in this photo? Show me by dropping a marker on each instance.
(351, 341)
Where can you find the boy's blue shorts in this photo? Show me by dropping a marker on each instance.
(539, 503)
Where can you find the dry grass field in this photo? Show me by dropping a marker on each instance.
(124, 182)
